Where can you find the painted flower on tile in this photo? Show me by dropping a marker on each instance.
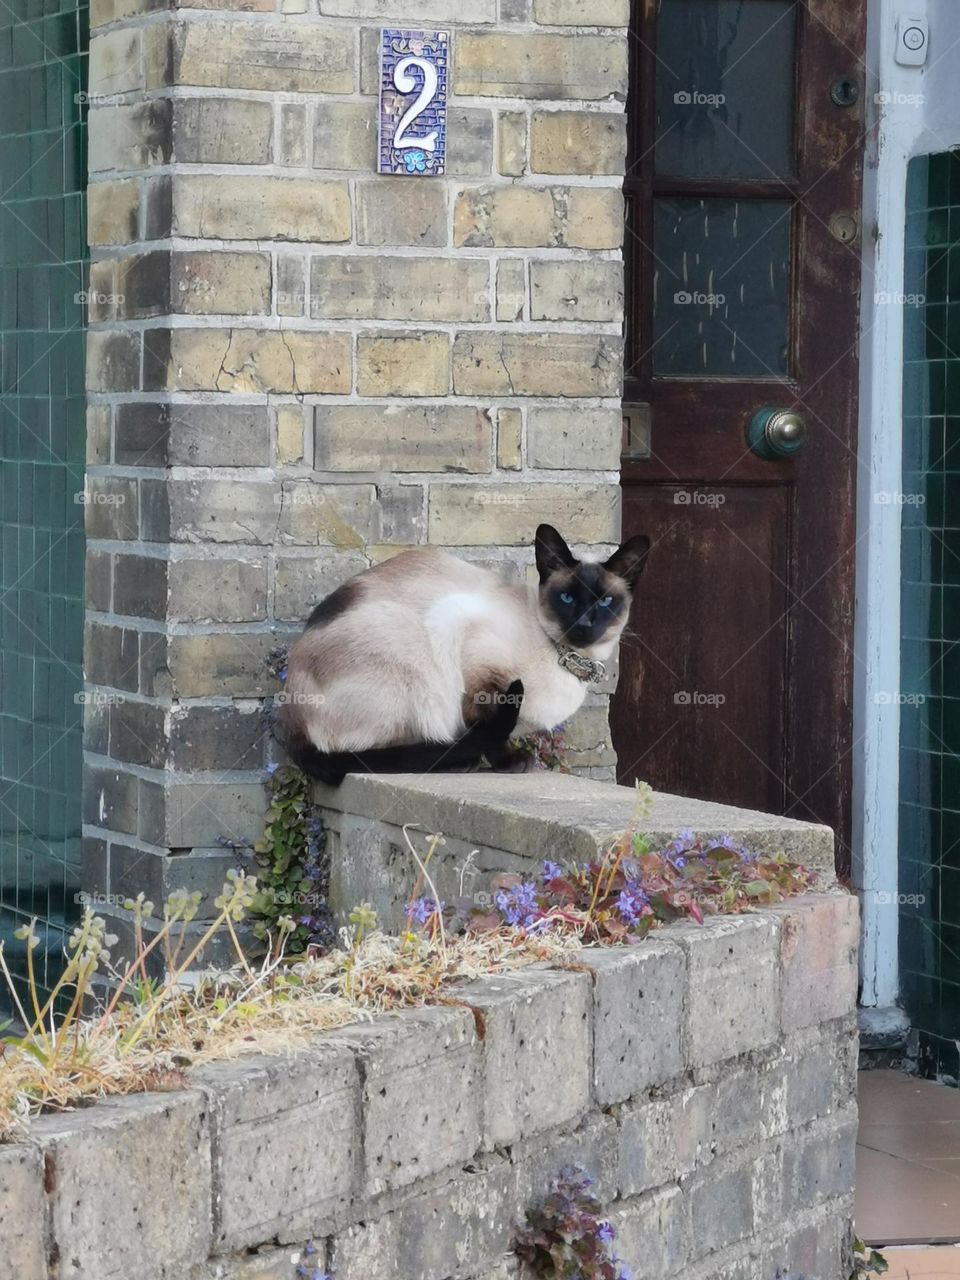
(415, 161)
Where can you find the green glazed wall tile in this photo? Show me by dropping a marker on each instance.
(42, 412)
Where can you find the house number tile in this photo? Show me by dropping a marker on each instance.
(413, 102)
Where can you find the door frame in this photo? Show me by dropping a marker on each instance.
(895, 135)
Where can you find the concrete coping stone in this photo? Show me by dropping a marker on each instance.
(564, 817)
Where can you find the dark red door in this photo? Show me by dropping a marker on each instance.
(743, 265)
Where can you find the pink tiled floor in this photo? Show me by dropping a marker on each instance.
(933, 1263)
(908, 1171)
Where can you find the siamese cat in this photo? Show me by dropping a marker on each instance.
(427, 662)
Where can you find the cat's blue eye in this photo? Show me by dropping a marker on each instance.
(606, 602)
(566, 597)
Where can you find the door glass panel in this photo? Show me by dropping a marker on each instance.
(721, 287)
(725, 88)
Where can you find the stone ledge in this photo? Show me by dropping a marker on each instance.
(512, 821)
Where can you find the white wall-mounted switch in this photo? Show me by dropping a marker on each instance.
(913, 38)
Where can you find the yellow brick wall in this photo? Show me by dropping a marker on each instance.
(297, 367)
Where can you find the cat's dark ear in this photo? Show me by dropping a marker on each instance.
(629, 558)
(552, 552)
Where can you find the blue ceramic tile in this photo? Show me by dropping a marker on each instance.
(413, 102)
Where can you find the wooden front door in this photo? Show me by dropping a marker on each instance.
(743, 268)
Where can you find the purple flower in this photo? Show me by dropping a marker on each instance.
(682, 843)
(519, 905)
(551, 870)
(606, 1233)
(625, 1272)
(735, 846)
(271, 769)
(632, 903)
(424, 909)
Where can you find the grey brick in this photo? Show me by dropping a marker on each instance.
(815, 1249)
(288, 1141)
(820, 1163)
(222, 510)
(653, 1232)
(819, 943)
(380, 288)
(580, 438)
(218, 590)
(182, 815)
(721, 1206)
(111, 507)
(137, 733)
(301, 582)
(111, 655)
(463, 1225)
(733, 992)
(98, 580)
(201, 435)
(211, 664)
(536, 1051)
(420, 1094)
(638, 997)
(593, 1144)
(222, 131)
(126, 1198)
(157, 875)
(345, 136)
(579, 290)
(24, 1207)
(110, 798)
(204, 737)
(140, 586)
(798, 1085)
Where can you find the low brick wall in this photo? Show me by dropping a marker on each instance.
(706, 1078)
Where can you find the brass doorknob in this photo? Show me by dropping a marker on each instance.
(776, 433)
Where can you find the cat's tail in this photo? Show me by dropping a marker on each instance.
(485, 736)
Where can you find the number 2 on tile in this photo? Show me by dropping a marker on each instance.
(406, 83)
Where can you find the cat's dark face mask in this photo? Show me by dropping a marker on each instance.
(584, 603)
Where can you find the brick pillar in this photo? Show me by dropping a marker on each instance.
(297, 367)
